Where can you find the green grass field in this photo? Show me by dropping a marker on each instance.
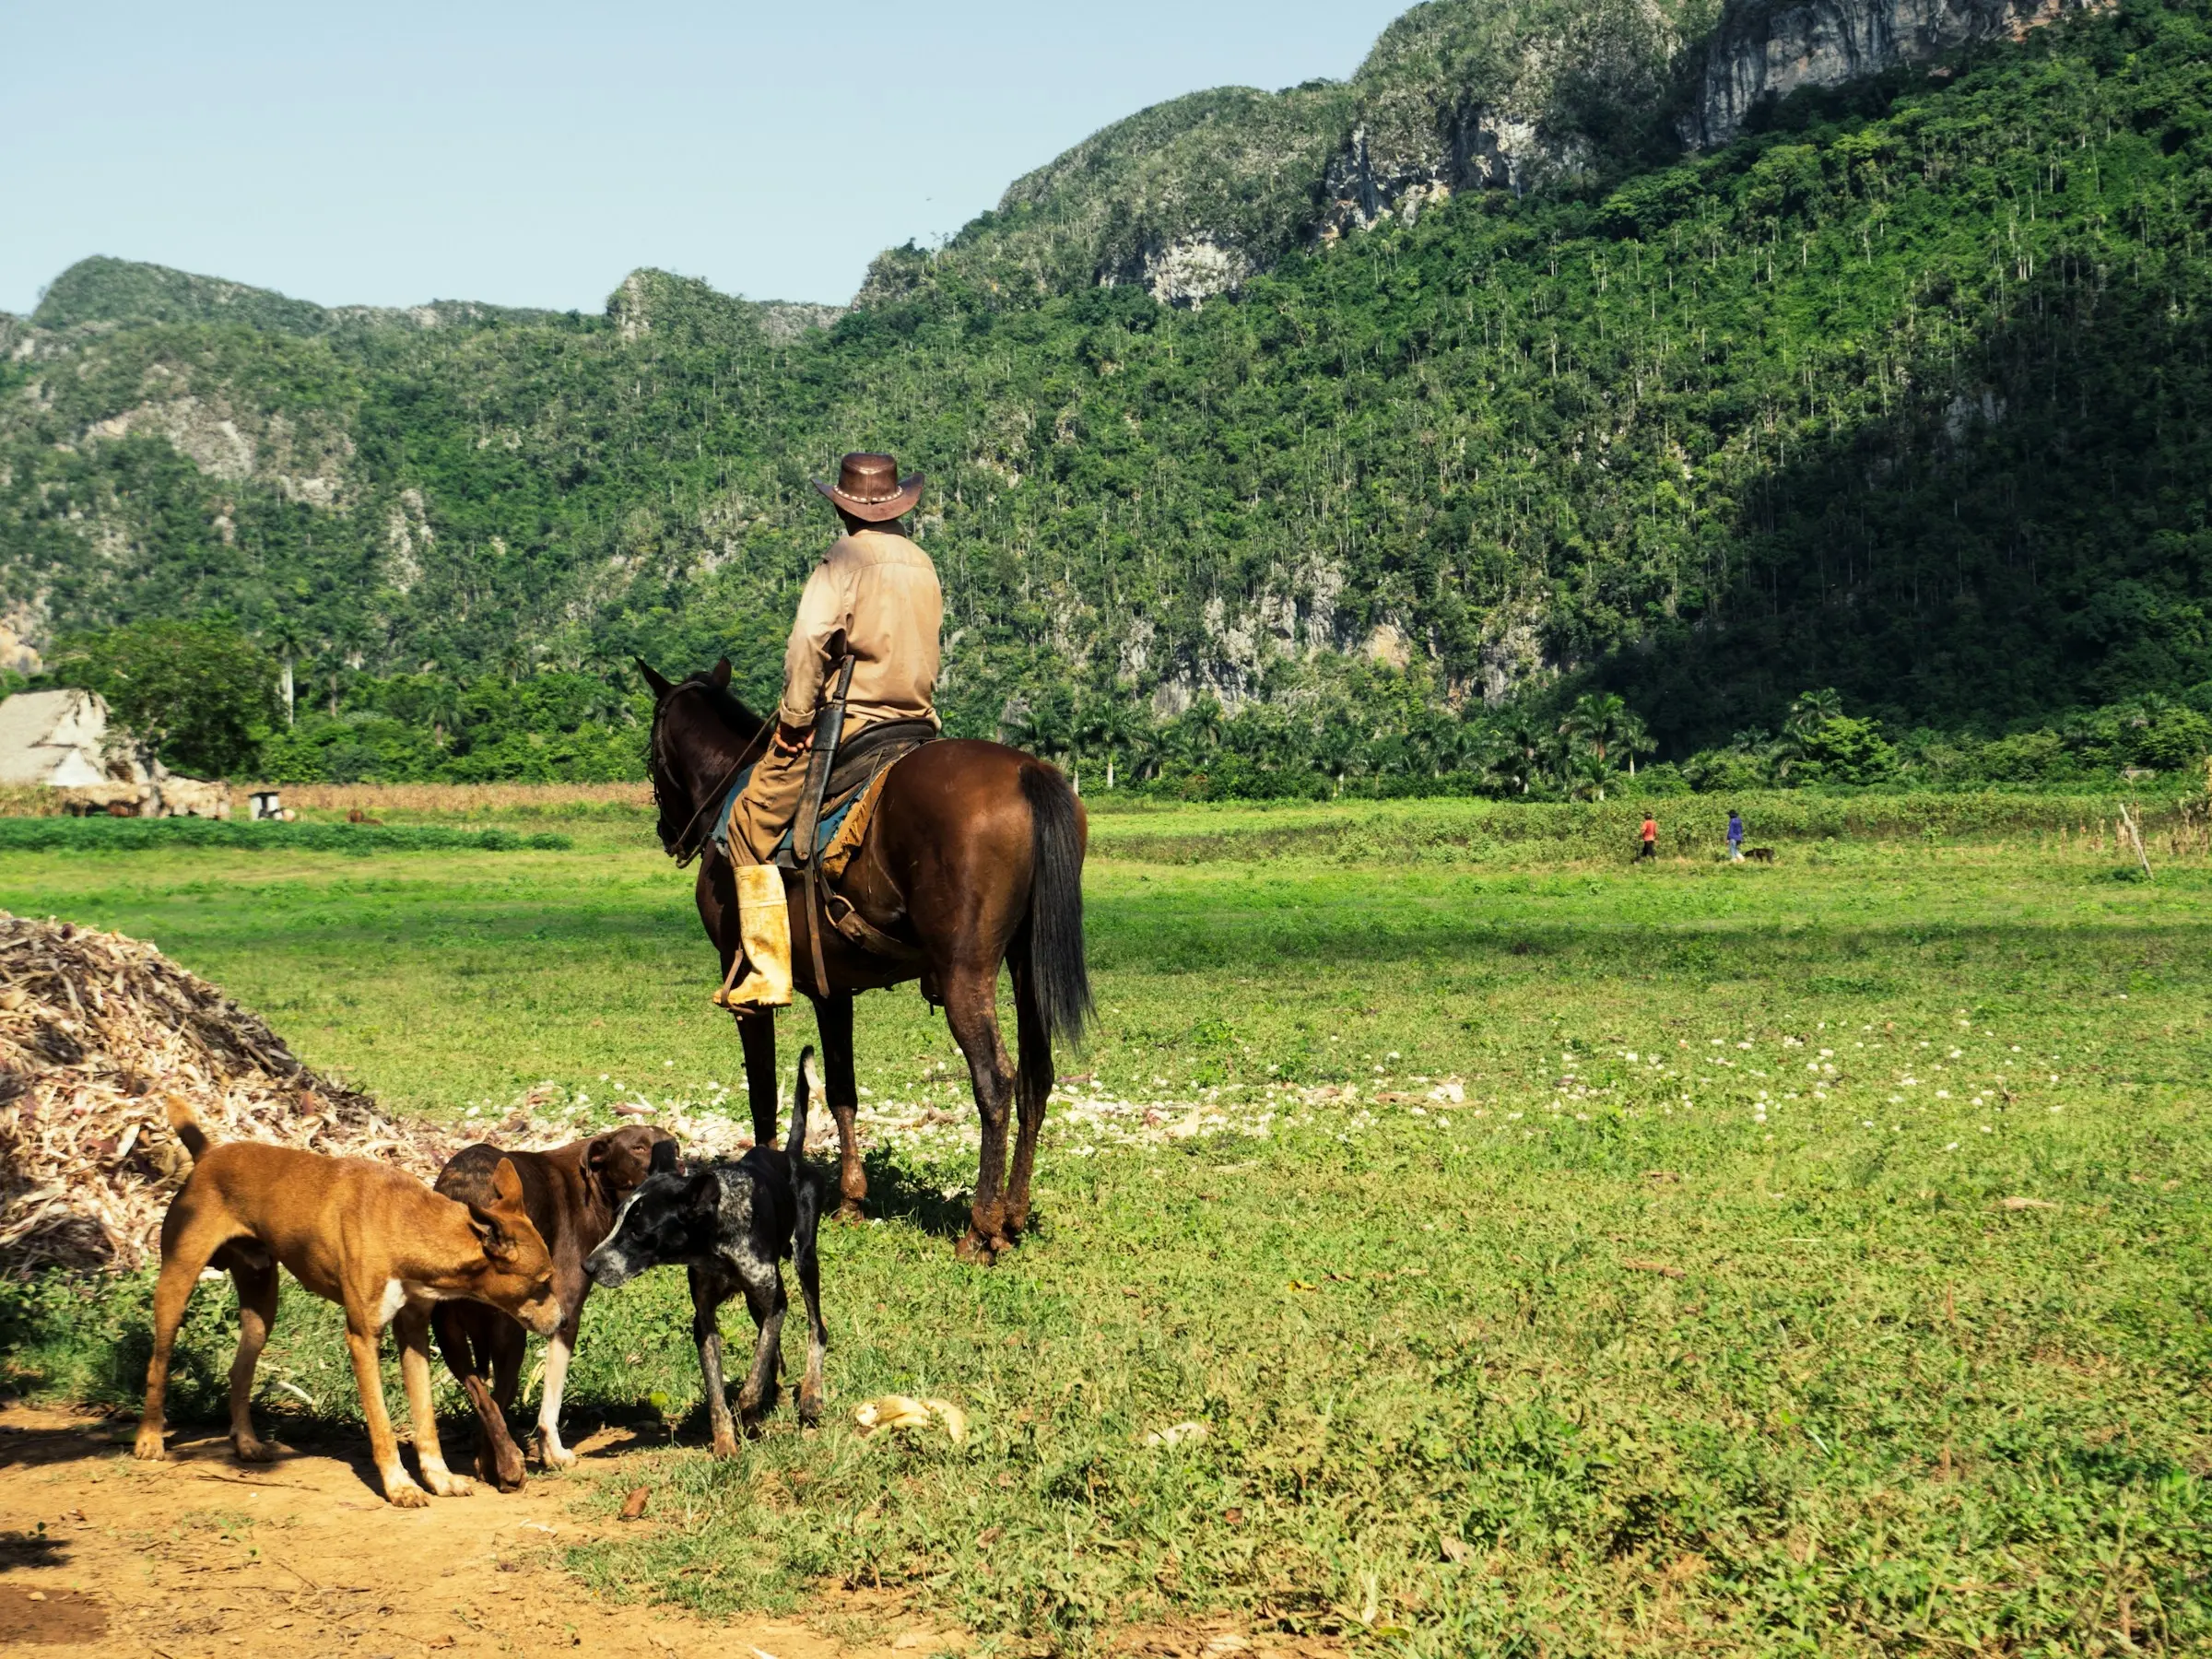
(1669, 1301)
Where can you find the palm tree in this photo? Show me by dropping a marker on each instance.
(441, 703)
(1111, 720)
(1585, 776)
(286, 638)
(1812, 711)
(1634, 738)
(1524, 740)
(1596, 719)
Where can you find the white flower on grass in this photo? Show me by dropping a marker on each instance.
(1951, 1147)
(1866, 1122)
(1943, 1094)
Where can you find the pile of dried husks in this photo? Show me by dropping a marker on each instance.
(95, 1028)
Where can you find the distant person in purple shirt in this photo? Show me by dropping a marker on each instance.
(1735, 837)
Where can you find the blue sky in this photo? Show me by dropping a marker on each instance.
(531, 154)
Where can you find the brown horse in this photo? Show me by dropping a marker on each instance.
(974, 857)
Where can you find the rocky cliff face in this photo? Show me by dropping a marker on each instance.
(1190, 197)
(1769, 49)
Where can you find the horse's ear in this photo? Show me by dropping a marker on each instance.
(660, 688)
(720, 677)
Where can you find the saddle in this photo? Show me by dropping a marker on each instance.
(854, 776)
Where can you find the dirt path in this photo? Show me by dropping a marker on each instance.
(202, 1556)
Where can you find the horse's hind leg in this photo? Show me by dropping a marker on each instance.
(1033, 1086)
(833, 1021)
(971, 1010)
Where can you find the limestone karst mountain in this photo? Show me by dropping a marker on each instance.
(1552, 349)
(1190, 197)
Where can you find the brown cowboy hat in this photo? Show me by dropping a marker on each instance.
(868, 487)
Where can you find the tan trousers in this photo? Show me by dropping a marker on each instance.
(767, 806)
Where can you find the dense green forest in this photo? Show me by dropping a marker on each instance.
(1904, 395)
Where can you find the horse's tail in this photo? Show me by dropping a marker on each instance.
(1059, 981)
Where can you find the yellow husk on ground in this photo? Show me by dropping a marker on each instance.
(95, 1028)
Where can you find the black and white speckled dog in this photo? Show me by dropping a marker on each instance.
(730, 1225)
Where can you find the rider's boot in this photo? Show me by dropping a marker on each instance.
(764, 927)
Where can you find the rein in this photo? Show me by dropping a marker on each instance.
(683, 852)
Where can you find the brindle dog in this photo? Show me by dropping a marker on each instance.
(571, 1195)
(975, 856)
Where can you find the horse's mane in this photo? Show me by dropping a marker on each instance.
(727, 704)
(678, 811)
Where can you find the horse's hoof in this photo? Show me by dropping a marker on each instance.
(975, 1249)
(850, 1214)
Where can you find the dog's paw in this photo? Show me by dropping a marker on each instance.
(850, 1214)
(405, 1494)
(725, 1444)
(148, 1447)
(447, 1484)
(554, 1455)
(975, 1250)
(248, 1449)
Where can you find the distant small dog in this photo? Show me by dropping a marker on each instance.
(729, 1226)
(368, 1237)
(1759, 854)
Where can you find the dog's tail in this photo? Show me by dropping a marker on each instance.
(186, 1124)
(805, 1086)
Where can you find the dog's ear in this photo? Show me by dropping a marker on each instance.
(705, 1191)
(494, 1240)
(506, 1186)
(664, 1157)
(598, 1150)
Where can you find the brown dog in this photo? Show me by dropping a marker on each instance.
(378, 1242)
(572, 1195)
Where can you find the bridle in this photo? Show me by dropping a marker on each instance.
(683, 851)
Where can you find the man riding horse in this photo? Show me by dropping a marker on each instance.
(874, 598)
(957, 859)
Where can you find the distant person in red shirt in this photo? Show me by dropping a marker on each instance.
(1650, 839)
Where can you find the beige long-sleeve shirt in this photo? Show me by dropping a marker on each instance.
(882, 591)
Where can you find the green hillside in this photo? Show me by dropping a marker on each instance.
(1906, 394)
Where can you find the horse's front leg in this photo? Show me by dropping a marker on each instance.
(757, 1032)
(833, 1021)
